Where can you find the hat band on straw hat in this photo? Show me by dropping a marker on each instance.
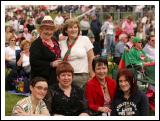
(47, 22)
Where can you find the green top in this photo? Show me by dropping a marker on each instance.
(134, 56)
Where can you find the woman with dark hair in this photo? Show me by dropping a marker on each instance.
(129, 100)
(65, 98)
(33, 105)
(100, 90)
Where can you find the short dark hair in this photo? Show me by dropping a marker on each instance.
(37, 79)
(100, 60)
(129, 75)
(64, 67)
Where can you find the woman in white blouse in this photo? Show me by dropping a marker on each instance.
(24, 56)
(78, 51)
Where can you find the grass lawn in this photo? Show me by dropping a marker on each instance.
(10, 101)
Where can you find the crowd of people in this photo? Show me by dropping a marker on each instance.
(65, 62)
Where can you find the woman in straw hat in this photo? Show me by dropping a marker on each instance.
(45, 52)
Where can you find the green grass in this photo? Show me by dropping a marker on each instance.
(10, 101)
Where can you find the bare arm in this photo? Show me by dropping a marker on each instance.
(18, 111)
(19, 62)
(90, 56)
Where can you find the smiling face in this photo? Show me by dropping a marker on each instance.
(124, 84)
(72, 31)
(101, 71)
(65, 79)
(152, 42)
(138, 45)
(46, 32)
(39, 90)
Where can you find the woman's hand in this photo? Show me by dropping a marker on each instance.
(55, 63)
(20, 112)
(104, 109)
(83, 114)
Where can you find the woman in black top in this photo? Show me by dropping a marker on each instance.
(65, 98)
(45, 52)
(129, 100)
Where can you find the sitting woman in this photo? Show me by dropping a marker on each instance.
(129, 101)
(33, 105)
(24, 57)
(100, 90)
(65, 98)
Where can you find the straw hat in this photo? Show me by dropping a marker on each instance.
(47, 21)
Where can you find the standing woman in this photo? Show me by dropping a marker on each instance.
(45, 52)
(108, 28)
(78, 51)
(33, 105)
(129, 100)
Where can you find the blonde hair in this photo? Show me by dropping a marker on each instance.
(23, 43)
(68, 23)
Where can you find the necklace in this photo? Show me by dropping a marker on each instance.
(105, 90)
(103, 84)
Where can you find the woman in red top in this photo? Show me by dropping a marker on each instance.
(100, 90)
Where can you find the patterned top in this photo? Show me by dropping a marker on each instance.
(54, 49)
(26, 105)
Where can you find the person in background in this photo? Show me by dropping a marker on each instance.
(128, 26)
(129, 100)
(96, 28)
(10, 62)
(34, 34)
(33, 105)
(30, 25)
(97, 48)
(85, 25)
(45, 52)
(65, 98)
(108, 29)
(78, 51)
(27, 35)
(120, 47)
(8, 34)
(100, 90)
(24, 57)
(149, 48)
(58, 22)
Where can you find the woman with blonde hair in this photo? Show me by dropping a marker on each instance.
(24, 56)
(78, 51)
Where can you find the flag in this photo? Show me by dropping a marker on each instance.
(124, 60)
